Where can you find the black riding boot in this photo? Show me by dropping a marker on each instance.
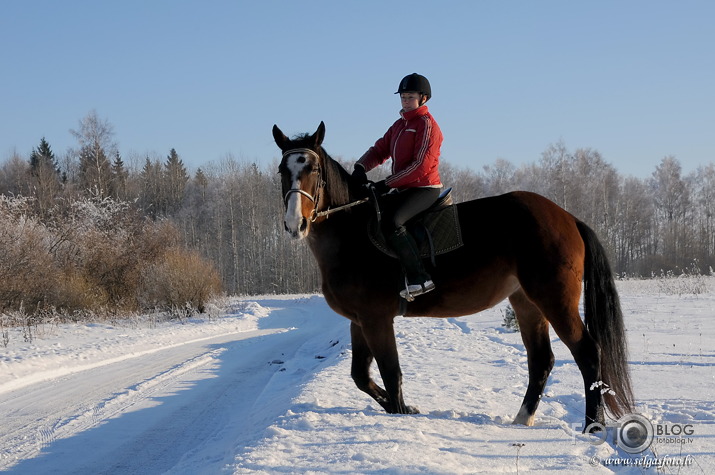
(418, 280)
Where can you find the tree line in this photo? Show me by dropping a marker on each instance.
(662, 223)
(230, 211)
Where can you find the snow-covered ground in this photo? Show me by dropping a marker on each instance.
(265, 388)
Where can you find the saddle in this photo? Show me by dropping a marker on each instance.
(436, 230)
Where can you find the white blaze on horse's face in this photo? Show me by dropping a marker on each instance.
(298, 204)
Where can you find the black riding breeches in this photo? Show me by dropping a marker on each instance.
(398, 208)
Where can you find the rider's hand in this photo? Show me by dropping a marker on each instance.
(381, 188)
(359, 174)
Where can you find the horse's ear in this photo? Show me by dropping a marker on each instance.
(319, 135)
(280, 138)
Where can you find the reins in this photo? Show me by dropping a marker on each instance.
(315, 198)
(330, 210)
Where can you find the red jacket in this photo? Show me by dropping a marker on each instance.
(413, 142)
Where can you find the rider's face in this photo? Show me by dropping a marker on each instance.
(410, 100)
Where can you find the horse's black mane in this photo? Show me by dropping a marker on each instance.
(337, 180)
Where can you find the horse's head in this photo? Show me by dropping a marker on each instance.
(302, 179)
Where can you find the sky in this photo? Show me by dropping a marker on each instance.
(633, 80)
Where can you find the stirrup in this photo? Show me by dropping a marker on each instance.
(413, 290)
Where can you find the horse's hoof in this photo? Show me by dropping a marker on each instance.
(593, 428)
(404, 410)
(524, 418)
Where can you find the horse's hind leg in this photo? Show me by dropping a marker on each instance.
(535, 334)
(587, 356)
(572, 331)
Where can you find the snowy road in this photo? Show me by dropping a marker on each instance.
(68, 407)
(157, 409)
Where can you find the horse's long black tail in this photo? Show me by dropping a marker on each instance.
(604, 321)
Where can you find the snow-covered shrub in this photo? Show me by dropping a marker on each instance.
(180, 280)
(689, 281)
(510, 321)
(27, 269)
(92, 255)
(97, 251)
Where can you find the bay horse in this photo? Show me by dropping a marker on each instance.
(519, 246)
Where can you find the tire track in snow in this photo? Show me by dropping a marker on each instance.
(41, 413)
(186, 408)
(122, 401)
(69, 370)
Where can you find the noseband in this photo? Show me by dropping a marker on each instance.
(315, 198)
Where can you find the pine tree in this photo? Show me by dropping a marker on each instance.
(43, 158)
(119, 178)
(202, 182)
(45, 177)
(151, 196)
(175, 179)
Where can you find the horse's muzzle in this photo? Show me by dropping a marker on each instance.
(300, 232)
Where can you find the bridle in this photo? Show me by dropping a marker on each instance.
(315, 197)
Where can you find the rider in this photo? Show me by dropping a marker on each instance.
(413, 142)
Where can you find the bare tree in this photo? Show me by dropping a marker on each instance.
(634, 227)
(672, 202)
(499, 177)
(703, 195)
(593, 191)
(555, 168)
(96, 144)
(14, 176)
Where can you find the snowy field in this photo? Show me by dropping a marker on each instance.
(265, 388)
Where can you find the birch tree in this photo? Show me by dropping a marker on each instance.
(95, 138)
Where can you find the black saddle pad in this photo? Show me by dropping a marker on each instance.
(436, 230)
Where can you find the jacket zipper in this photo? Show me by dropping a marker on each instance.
(394, 148)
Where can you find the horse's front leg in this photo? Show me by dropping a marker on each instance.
(360, 371)
(377, 340)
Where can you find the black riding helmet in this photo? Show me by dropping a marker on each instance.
(417, 83)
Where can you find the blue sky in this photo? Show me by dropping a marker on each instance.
(634, 80)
